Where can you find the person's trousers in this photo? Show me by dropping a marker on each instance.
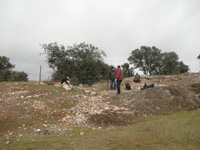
(66, 86)
(118, 86)
(111, 84)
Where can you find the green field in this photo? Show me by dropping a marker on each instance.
(179, 131)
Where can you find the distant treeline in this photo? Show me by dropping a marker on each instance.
(152, 61)
(84, 63)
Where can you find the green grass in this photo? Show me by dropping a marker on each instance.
(179, 131)
(175, 132)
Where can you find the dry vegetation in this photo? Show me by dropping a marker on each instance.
(39, 116)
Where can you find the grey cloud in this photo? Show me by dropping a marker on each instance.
(115, 26)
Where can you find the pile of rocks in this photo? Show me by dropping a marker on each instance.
(87, 106)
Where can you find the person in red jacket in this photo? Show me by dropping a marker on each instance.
(119, 78)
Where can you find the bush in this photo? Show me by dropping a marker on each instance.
(18, 76)
(74, 81)
(5, 75)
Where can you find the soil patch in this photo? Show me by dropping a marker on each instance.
(160, 100)
(110, 119)
(195, 88)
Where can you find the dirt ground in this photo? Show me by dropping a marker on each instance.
(170, 94)
(36, 107)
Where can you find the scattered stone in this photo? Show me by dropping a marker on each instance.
(93, 93)
(38, 130)
(104, 107)
(87, 91)
(29, 96)
(82, 133)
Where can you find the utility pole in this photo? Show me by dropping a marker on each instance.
(40, 74)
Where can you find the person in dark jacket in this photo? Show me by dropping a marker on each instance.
(65, 83)
(112, 76)
(119, 78)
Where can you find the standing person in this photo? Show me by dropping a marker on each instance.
(112, 76)
(65, 83)
(119, 78)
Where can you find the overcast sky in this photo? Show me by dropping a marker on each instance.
(115, 26)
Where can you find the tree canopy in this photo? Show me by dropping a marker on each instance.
(83, 62)
(6, 73)
(150, 60)
(128, 72)
(5, 63)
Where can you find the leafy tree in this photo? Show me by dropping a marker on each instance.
(6, 73)
(136, 58)
(83, 62)
(18, 76)
(183, 68)
(5, 64)
(128, 72)
(170, 63)
(147, 59)
(150, 60)
(5, 68)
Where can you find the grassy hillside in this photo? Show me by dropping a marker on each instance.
(179, 131)
(37, 116)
